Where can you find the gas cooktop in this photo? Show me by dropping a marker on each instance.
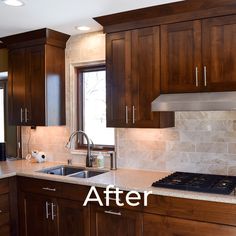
(219, 184)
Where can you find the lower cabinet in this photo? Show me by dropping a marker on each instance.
(115, 222)
(156, 225)
(44, 209)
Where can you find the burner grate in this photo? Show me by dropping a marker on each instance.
(219, 184)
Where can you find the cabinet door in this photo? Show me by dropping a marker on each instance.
(16, 86)
(36, 216)
(181, 57)
(118, 62)
(35, 86)
(219, 49)
(74, 219)
(115, 222)
(155, 225)
(145, 86)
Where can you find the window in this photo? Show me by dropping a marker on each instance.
(92, 107)
(2, 115)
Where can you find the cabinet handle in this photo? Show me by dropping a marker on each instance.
(196, 76)
(133, 109)
(50, 189)
(0, 211)
(21, 115)
(205, 76)
(47, 210)
(26, 115)
(126, 115)
(53, 213)
(113, 213)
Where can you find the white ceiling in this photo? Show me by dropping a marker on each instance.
(63, 15)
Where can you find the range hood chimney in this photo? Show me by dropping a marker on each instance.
(214, 101)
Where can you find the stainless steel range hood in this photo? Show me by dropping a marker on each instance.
(217, 101)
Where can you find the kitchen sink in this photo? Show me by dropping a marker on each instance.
(62, 170)
(72, 171)
(87, 173)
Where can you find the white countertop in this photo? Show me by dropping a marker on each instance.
(125, 179)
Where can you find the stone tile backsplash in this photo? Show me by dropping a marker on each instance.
(201, 141)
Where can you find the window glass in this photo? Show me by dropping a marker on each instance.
(94, 108)
(2, 133)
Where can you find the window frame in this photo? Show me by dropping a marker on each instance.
(80, 108)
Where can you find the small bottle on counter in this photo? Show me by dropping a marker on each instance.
(100, 160)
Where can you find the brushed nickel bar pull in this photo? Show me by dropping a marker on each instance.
(47, 210)
(21, 115)
(196, 76)
(133, 109)
(53, 212)
(205, 76)
(126, 115)
(49, 189)
(26, 115)
(113, 213)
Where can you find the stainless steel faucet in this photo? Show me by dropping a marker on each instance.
(89, 157)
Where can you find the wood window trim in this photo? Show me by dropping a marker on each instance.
(80, 106)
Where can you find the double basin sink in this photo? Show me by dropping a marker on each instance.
(72, 171)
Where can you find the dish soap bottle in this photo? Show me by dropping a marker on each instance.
(100, 160)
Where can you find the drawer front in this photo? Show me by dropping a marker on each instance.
(4, 209)
(206, 211)
(75, 192)
(45, 187)
(4, 186)
(121, 199)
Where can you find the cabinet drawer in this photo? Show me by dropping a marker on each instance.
(213, 212)
(4, 209)
(4, 186)
(75, 192)
(122, 199)
(45, 187)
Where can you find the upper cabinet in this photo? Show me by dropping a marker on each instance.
(36, 81)
(181, 57)
(133, 79)
(218, 54)
(198, 56)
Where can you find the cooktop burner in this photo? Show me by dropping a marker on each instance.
(219, 184)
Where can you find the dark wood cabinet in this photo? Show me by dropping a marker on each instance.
(219, 49)
(181, 57)
(156, 225)
(198, 56)
(118, 70)
(73, 218)
(38, 216)
(52, 208)
(116, 222)
(36, 78)
(133, 79)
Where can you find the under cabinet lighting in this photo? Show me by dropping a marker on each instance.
(13, 3)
